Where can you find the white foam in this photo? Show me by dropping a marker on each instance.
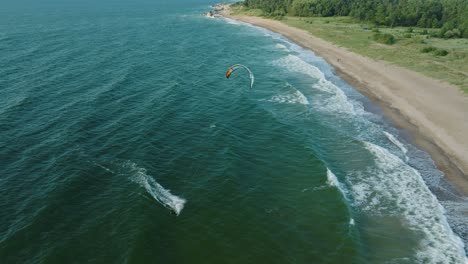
(163, 196)
(232, 21)
(103, 167)
(397, 143)
(314, 189)
(458, 213)
(281, 47)
(331, 179)
(391, 187)
(295, 64)
(337, 100)
(294, 98)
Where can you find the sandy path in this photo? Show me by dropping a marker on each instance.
(435, 112)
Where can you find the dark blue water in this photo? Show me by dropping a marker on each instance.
(121, 141)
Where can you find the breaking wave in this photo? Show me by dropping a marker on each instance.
(232, 21)
(331, 179)
(281, 47)
(335, 99)
(397, 143)
(293, 97)
(397, 189)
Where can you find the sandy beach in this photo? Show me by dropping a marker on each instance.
(435, 113)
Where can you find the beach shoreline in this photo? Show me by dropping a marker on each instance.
(431, 111)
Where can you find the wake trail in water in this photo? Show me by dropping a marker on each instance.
(158, 192)
(103, 167)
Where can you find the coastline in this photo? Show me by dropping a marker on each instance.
(412, 101)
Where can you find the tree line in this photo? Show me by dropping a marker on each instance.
(451, 16)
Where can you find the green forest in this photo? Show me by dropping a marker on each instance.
(450, 16)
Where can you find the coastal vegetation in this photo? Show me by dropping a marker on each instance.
(384, 38)
(417, 48)
(449, 16)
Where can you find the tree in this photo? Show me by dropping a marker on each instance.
(444, 14)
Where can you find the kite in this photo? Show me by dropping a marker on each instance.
(235, 67)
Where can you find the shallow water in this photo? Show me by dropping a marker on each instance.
(122, 141)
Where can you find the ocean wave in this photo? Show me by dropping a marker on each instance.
(281, 47)
(233, 22)
(396, 187)
(336, 101)
(391, 187)
(458, 212)
(397, 143)
(159, 193)
(331, 179)
(294, 98)
(333, 182)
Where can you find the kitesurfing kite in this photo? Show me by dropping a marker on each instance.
(234, 67)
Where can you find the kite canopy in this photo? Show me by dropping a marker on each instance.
(235, 67)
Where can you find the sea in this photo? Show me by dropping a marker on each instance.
(122, 141)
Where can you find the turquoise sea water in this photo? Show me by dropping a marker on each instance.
(121, 141)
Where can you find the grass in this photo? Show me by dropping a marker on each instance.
(446, 60)
(241, 10)
(385, 38)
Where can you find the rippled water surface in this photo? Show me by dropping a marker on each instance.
(121, 141)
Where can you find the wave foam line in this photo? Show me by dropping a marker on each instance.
(332, 181)
(233, 22)
(159, 193)
(281, 47)
(397, 143)
(337, 102)
(295, 97)
(392, 181)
